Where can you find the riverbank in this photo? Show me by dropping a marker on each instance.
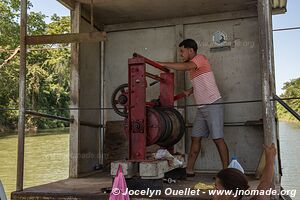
(4, 129)
(36, 132)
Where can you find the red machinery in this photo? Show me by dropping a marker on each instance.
(147, 123)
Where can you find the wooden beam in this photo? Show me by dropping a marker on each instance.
(22, 95)
(266, 55)
(66, 38)
(70, 4)
(267, 65)
(75, 94)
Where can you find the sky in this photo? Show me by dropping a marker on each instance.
(286, 43)
(52, 7)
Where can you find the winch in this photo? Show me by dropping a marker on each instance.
(147, 123)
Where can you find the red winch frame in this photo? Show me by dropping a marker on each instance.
(137, 127)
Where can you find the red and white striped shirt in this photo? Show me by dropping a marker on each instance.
(204, 85)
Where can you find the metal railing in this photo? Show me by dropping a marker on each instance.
(287, 107)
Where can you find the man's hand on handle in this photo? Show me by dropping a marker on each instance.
(188, 92)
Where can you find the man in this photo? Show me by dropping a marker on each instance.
(235, 181)
(209, 118)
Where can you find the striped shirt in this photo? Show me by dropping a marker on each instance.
(204, 85)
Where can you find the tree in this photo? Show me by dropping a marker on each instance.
(47, 78)
(291, 89)
(50, 76)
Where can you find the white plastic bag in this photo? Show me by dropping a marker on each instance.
(165, 154)
(236, 165)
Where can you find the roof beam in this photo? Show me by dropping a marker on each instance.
(85, 14)
(68, 4)
(66, 38)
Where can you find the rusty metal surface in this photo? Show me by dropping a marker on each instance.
(156, 126)
(137, 109)
(167, 90)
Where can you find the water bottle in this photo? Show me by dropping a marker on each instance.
(235, 164)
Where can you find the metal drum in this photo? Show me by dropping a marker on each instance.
(158, 126)
(165, 126)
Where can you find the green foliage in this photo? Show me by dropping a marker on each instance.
(9, 27)
(48, 68)
(291, 89)
(36, 24)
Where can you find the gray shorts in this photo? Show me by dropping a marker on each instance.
(209, 120)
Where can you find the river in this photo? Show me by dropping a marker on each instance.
(46, 158)
(290, 151)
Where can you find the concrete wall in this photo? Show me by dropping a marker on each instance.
(156, 43)
(237, 74)
(89, 97)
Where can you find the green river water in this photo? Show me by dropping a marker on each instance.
(46, 159)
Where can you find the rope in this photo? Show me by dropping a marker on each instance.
(110, 108)
(287, 29)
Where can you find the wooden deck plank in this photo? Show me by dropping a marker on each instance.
(89, 188)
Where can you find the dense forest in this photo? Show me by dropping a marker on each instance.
(47, 76)
(48, 71)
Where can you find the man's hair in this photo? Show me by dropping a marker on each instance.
(233, 179)
(189, 43)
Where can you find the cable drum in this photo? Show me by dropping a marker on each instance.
(165, 126)
(156, 126)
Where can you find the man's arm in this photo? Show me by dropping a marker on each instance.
(189, 91)
(267, 175)
(180, 66)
